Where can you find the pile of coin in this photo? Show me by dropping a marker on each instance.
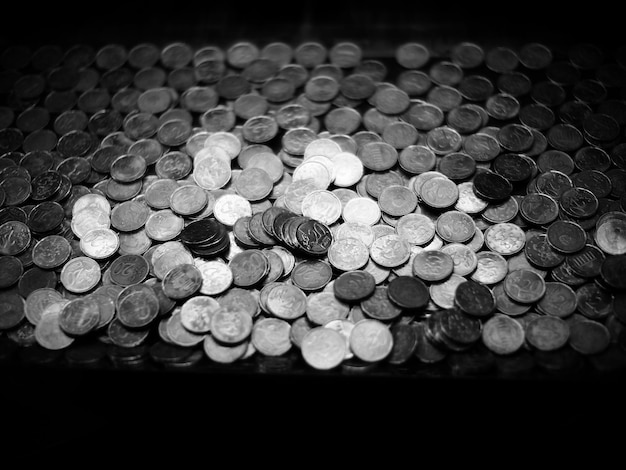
(230, 202)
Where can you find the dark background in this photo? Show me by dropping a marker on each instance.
(77, 411)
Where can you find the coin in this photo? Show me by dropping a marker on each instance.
(502, 334)
(323, 348)
(48, 332)
(230, 325)
(196, 313)
(547, 333)
(223, 354)
(270, 336)
(505, 238)
(80, 274)
(100, 243)
(589, 337)
(491, 268)
(286, 301)
(408, 293)
(80, 316)
(371, 341)
(182, 281)
(475, 299)
(322, 307)
(354, 286)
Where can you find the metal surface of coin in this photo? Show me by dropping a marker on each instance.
(270, 336)
(475, 299)
(432, 266)
(502, 334)
(80, 274)
(323, 348)
(196, 313)
(230, 325)
(371, 340)
(547, 333)
(80, 316)
(390, 251)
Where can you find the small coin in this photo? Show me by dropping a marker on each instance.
(505, 238)
(196, 313)
(38, 300)
(127, 270)
(354, 286)
(311, 275)
(371, 340)
(524, 286)
(249, 268)
(432, 265)
(223, 354)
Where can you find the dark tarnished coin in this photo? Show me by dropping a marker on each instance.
(427, 351)
(539, 209)
(182, 281)
(405, 341)
(589, 337)
(540, 253)
(512, 166)
(613, 271)
(547, 333)
(45, 185)
(475, 299)
(492, 186)
(566, 237)
(354, 286)
(127, 270)
(313, 237)
(559, 300)
(14, 238)
(311, 275)
(11, 310)
(249, 268)
(125, 337)
(459, 328)
(379, 306)
(51, 252)
(587, 262)
(593, 301)
(578, 202)
(11, 269)
(80, 316)
(408, 292)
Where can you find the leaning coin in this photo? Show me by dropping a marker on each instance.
(502, 334)
(182, 281)
(38, 300)
(48, 333)
(179, 334)
(270, 336)
(231, 325)
(371, 340)
(80, 316)
(323, 348)
(589, 337)
(223, 354)
(547, 333)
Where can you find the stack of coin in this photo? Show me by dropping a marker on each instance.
(304, 199)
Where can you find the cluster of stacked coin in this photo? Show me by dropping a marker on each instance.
(240, 201)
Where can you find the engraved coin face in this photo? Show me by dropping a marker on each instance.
(323, 348)
(371, 340)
